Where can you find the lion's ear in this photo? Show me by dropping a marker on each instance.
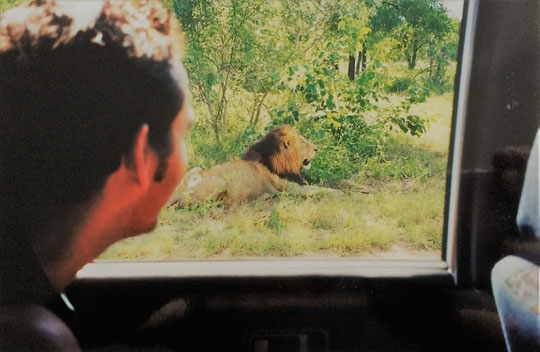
(287, 141)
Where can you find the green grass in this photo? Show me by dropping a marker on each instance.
(345, 223)
(393, 205)
(7, 4)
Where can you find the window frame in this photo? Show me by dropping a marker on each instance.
(445, 270)
(461, 95)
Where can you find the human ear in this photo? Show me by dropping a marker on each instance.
(142, 166)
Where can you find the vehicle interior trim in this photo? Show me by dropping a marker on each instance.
(471, 15)
(264, 268)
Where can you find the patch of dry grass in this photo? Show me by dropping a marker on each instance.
(343, 223)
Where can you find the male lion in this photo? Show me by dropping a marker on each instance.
(283, 152)
(267, 167)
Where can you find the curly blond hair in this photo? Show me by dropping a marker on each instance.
(149, 30)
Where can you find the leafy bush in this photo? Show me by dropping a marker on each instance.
(401, 85)
(399, 159)
(348, 120)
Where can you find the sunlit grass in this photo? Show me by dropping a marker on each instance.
(439, 111)
(340, 224)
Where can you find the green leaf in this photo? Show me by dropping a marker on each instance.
(330, 102)
(364, 30)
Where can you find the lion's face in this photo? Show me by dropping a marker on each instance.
(295, 151)
(307, 151)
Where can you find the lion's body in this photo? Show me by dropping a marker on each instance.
(232, 182)
(267, 167)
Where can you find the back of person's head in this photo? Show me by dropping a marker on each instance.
(78, 82)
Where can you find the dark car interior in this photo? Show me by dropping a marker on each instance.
(357, 305)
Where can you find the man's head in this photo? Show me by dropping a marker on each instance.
(84, 84)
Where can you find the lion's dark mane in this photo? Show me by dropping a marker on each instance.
(263, 150)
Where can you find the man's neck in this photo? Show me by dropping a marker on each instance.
(99, 229)
(94, 226)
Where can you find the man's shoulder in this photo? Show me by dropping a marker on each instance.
(32, 327)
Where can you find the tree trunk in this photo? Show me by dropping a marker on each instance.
(255, 103)
(440, 72)
(412, 58)
(258, 114)
(359, 62)
(351, 67)
(364, 57)
(213, 117)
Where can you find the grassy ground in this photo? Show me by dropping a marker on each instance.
(394, 207)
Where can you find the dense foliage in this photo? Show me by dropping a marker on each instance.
(326, 67)
(7, 4)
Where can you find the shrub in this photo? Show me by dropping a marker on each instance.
(401, 85)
